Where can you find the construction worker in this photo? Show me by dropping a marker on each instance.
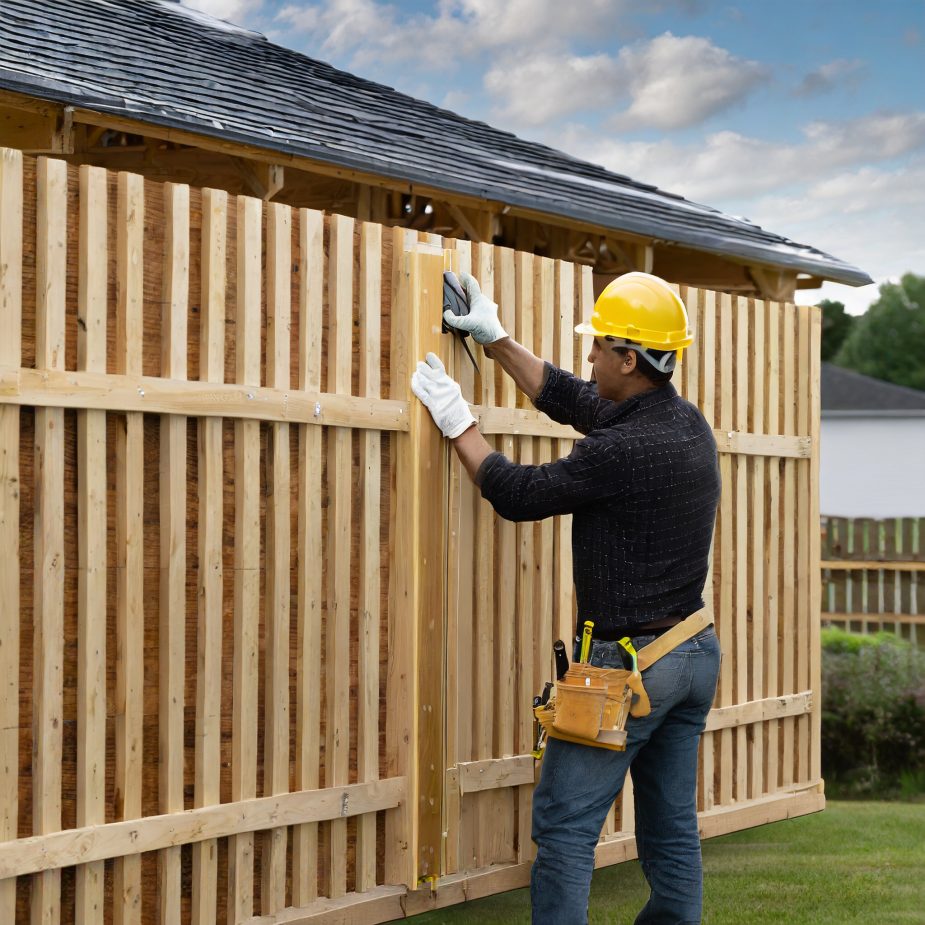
(643, 487)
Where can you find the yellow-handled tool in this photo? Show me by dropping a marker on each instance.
(586, 642)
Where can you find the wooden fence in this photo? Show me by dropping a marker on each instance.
(247, 675)
(873, 575)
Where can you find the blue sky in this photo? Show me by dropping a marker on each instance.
(807, 118)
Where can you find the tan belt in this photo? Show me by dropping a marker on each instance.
(680, 632)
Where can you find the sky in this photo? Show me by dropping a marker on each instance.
(806, 117)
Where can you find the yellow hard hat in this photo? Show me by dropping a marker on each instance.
(644, 310)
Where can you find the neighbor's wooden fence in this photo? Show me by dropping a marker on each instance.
(873, 575)
(247, 673)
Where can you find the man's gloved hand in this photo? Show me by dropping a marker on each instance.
(482, 321)
(442, 397)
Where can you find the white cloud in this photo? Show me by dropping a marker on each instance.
(547, 86)
(728, 165)
(678, 81)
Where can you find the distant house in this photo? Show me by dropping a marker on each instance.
(152, 87)
(873, 447)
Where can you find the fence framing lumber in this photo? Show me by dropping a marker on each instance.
(210, 578)
(97, 843)
(172, 617)
(340, 490)
(246, 556)
(276, 620)
(309, 565)
(48, 599)
(368, 609)
(129, 451)
(11, 258)
(91, 539)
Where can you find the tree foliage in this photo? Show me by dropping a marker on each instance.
(836, 325)
(888, 341)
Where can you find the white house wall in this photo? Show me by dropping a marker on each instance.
(873, 467)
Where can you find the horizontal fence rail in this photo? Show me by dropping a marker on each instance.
(246, 674)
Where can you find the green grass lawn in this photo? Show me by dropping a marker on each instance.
(854, 863)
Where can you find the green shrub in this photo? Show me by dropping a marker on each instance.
(873, 713)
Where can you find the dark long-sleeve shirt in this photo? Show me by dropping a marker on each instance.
(642, 486)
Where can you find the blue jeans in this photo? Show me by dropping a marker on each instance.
(579, 783)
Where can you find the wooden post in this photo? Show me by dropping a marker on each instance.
(91, 539)
(246, 557)
(210, 578)
(129, 542)
(48, 646)
(815, 604)
(173, 539)
(416, 707)
(11, 219)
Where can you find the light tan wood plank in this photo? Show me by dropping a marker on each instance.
(91, 538)
(48, 610)
(309, 556)
(340, 468)
(808, 536)
(529, 684)
(742, 537)
(725, 622)
(276, 691)
(757, 542)
(496, 773)
(102, 392)
(789, 559)
(97, 843)
(368, 566)
(129, 542)
(775, 534)
(210, 578)
(401, 834)
(246, 556)
(172, 617)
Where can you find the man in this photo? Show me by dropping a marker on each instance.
(642, 486)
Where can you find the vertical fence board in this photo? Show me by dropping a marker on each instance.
(210, 578)
(308, 673)
(340, 489)
(740, 469)
(757, 550)
(815, 596)
(725, 626)
(91, 539)
(526, 640)
(246, 556)
(48, 601)
(789, 558)
(807, 538)
(276, 697)
(706, 360)
(775, 530)
(370, 335)
(129, 543)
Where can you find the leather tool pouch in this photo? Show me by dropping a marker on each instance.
(591, 706)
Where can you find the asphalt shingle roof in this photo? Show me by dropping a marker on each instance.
(160, 63)
(845, 390)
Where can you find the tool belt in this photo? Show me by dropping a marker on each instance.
(591, 705)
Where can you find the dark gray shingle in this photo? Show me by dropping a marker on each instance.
(158, 62)
(845, 390)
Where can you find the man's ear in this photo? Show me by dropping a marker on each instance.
(628, 363)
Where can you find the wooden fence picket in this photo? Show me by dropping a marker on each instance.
(316, 655)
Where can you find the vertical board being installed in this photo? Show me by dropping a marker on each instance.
(248, 674)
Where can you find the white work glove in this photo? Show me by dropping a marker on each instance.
(442, 397)
(482, 321)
